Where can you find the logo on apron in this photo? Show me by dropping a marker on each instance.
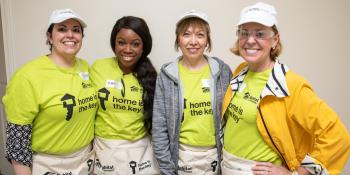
(104, 167)
(186, 168)
(89, 163)
(214, 164)
(133, 166)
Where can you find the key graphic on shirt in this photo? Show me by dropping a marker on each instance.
(69, 103)
(133, 166)
(214, 164)
(103, 96)
(183, 113)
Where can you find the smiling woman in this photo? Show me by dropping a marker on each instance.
(282, 126)
(128, 49)
(50, 124)
(65, 40)
(126, 86)
(190, 89)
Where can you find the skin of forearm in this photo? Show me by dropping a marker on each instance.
(21, 169)
(303, 171)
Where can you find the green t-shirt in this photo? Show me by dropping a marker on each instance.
(242, 137)
(120, 115)
(60, 104)
(197, 127)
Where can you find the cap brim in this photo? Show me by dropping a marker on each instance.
(190, 16)
(59, 20)
(263, 22)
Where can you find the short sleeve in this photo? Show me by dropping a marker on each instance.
(20, 100)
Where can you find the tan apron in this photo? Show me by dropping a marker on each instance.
(124, 157)
(195, 160)
(78, 163)
(235, 165)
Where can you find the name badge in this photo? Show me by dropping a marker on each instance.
(84, 75)
(111, 83)
(114, 84)
(206, 83)
(119, 85)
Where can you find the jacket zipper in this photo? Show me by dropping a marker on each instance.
(268, 133)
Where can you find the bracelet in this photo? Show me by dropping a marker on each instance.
(295, 173)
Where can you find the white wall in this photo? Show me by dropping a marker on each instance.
(314, 34)
(4, 165)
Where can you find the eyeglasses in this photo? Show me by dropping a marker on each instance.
(257, 34)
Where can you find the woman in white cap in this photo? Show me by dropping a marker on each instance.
(125, 84)
(274, 122)
(51, 106)
(187, 102)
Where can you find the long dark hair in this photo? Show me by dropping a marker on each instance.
(144, 71)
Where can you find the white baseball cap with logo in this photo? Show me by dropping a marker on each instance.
(61, 15)
(261, 13)
(195, 14)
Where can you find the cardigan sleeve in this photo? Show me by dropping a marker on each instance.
(160, 136)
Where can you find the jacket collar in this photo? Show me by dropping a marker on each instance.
(276, 84)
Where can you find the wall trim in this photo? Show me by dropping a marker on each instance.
(8, 36)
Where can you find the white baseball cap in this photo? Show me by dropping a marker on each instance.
(61, 15)
(261, 13)
(191, 14)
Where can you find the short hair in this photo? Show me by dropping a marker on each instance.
(274, 53)
(194, 22)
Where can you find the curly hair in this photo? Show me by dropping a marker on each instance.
(144, 70)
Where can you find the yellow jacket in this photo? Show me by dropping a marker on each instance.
(296, 123)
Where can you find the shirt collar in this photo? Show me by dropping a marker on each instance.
(276, 84)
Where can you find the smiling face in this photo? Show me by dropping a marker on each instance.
(66, 38)
(192, 42)
(255, 45)
(128, 49)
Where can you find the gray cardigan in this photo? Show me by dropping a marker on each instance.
(168, 108)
